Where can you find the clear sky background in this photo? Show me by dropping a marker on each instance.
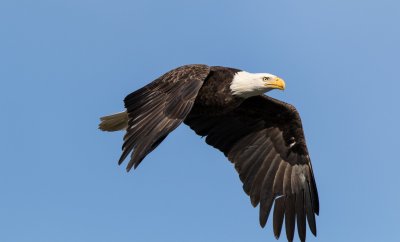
(65, 63)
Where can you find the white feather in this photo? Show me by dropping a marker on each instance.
(245, 84)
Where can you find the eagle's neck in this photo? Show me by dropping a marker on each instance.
(245, 85)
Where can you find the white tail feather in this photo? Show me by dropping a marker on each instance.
(114, 122)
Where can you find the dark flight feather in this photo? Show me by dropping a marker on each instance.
(290, 216)
(279, 213)
(158, 108)
(280, 169)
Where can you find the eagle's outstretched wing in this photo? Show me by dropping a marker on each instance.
(158, 108)
(264, 138)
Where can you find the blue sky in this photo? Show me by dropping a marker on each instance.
(63, 64)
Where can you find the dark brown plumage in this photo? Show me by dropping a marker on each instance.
(263, 137)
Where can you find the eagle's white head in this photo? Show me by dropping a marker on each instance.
(245, 84)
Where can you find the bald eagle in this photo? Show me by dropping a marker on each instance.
(263, 137)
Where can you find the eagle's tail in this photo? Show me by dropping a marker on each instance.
(114, 122)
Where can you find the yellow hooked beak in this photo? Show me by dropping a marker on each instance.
(275, 83)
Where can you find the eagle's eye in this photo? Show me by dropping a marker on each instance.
(265, 78)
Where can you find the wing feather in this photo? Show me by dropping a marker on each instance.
(309, 211)
(301, 216)
(261, 152)
(255, 192)
(279, 176)
(279, 213)
(158, 108)
(290, 216)
(264, 139)
(267, 196)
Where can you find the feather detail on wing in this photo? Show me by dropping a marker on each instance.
(158, 108)
(264, 139)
